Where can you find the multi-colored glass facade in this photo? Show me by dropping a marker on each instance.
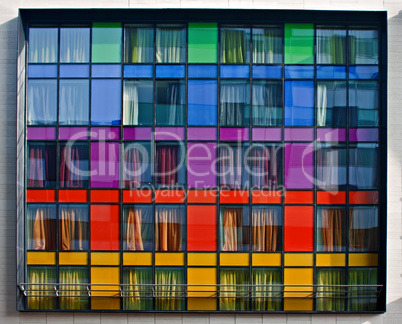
(197, 164)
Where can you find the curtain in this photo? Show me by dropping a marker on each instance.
(363, 227)
(363, 166)
(362, 298)
(234, 103)
(73, 163)
(267, 45)
(42, 102)
(74, 45)
(235, 45)
(130, 103)
(363, 103)
(266, 166)
(170, 103)
(266, 296)
(137, 228)
(73, 228)
(267, 103)
(331, 229)
(42, 280)
(72, 289)
(331, 166)
(74, 102)
(42, 166)
(42, 227)
(331, 104)
(170, 44)
(43, 45)
(231, 174)
(138, 294)
(234, 296)
(169, 296)
(168, 228)
(136, 165)
(139, 45)
(330, 297)
(138, 102)
(266, 228)
(331, 46)
(232, 229)
(167, 164)
(363, 46)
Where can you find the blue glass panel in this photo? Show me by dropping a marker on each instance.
(106, 102)
(106, 70)
(202, 71)
(202, 102)
(299, 72)
(74, 71)
(299, 103)
(267, 72)
(170, 71)
(138, 71)
(331, 72)
(235, 71)
(363, 72)
(42, 71)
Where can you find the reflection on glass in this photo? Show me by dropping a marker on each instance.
(73, 288)
(138, 102)
(266, 229)
(202, 102)
(331, 166)
(267, 103)
(235, 46)
(170, 44)
(331, 103)
(267, 295)
(363, 103)
(331, 229)
(42, 102)
(234, 291)
(267, 45)
(42, 45)
(363, 228)
(138, 296)
(41, 165)
(74, 45)
(232, 172)
(41, 227)
(74, 166)
(363, 46)
(234, 103)
(137, 228)
(74, 102)
(137, 165)
(329, 296)
(170, 102)
(363, 166)
(331, 45)
(138, 44)
(41, 288)
(234, 228)
(73, 227)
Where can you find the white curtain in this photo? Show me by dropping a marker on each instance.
(130, 103)
(267, 104)
(139, 44)
(42, 45)
(363, 166)
(331, 166)
(235, 98)
(42, 102)
(363, 100)
(170, 44)
(74, 102)
(267, 45)
(74, 45)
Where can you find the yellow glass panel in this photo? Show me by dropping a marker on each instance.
(43, 258)
(363, 259)
(201, 304)
(105, 258)
(169, 259)
(234, 259)
(105, 275)
(330, 260)
(299, 259)
(298, 304)
(135, 258)
(299, 296)
(73, 258)
(266, 259)
(201, 276)
(201, 259)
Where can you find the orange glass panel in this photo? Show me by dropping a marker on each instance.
(74, 196)
(137, 196)
(331, 197)
(105, 227)
(202, 196)
(105, 196)
(299, 197)
(234, 197)
(299, 228)
(266, 197)
(201, 228)
(363, 197)
(169, 196)
(34, 195)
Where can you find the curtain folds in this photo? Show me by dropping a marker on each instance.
(41, 166)
(74, 45)
(331, 166)
(73, 228)
(137, 228)
(170, 44)
(43, 45)
(266, 166)
(232, 174)
(72, 289)
(74, 102)
(331, 229)
(168, 228)
(130, 103)
(232, 229)
(136, 165)
(42, 227)
(73, 163)
(267, 45)
(167, 164)
(169, 295)
(41, 290)
(139, 45)
(362, 298)
(266, 227)
(267, 297)
(331, 103)
(234, 296)
(363, 46)
(363, 166)
(42, 102)
(234, 103)
(267, 103)
(139, 296)
(234, 42)
(363, 228)
(331, 46)
(330, 298)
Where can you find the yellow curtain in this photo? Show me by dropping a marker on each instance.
(134, 231)
(233, 296)
(73, 228)
(232, 229)
(41, 280)
(330, 298)
(70, 280)
(331, 229)
(43, 228)
(168, 229)
(265, 229)
(139, 297)
(266, 295)
(169, 295)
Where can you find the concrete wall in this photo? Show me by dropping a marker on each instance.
(8, 88)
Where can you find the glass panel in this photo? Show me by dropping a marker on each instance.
(202, 102)
(234, 134)
(368, 295)
(138, 71)
(267, 103)
(138, 296)
(234, 289)
(137, 228)
(331, 72)
(73, 288)
(363, 46)
(202, 71)
(106, 71)
(235, 45)
(234, 230)
(293, 134)
(138, 102)
(267, 296)
(41, 133)
(73, 227)
(170, 44)
(331, 166)
(266, 230)
(41, 280)
(267, 45)
(169, 164)
(42, 102)
(202, 43)
(329, 296)
(105, 230)
(201, 171)
(331, 103)
(170, 102)
(169, 228)
(74, 70)
(299, 44)
(74, 45)
(137, 133)
(363, 166)
(234, 103)
(169, 133)
(201, 228)
(299, 166)
(138, 44)
(363, 72)
(170, 71)
(41, 227)
(267, 72)
(105, 164)
(363, 229)
(42, 71)
(74, 102)
(299, 103)
(106, 94)
(232, 173)
(41, 165)
(299, 229)
(137, 164)
(363, 103)
(74, 165)
(106, 42)
(299, 72)
(168, 292)
(331, 229)
(43, 45)
(331, 45)
(363, 134)
(235, 71)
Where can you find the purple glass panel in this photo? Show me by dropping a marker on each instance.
(234, 134)
(299, 134)
(267, 134)
(200, 161)
(169, 133)
(74, 71)
(67, 133)
(106, 71)
(42, 71)
(41, 133)
(201, 133)
(105, 165)
(363, 134)
(299, 161)
(105, 133)
(331, 134)
(137, 133)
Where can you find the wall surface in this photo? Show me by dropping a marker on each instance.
(8, 88)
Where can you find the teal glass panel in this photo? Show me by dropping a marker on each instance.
(363, 46)
(299, 43)
(106, 42)
(202, 43)
(363, 103)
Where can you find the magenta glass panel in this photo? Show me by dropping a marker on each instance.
(363, 134)
(137, 133)
(201, 133)
(105, 165)
(41, 133)
(331, 134)
(299, 161)
(299, 134)
(267, 134)
(169, 133)
(67, 133)
(105, 133)
(234, 134)
(200, 161)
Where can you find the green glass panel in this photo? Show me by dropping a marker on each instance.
(202, 42)
(299, 44)
(106, 42)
